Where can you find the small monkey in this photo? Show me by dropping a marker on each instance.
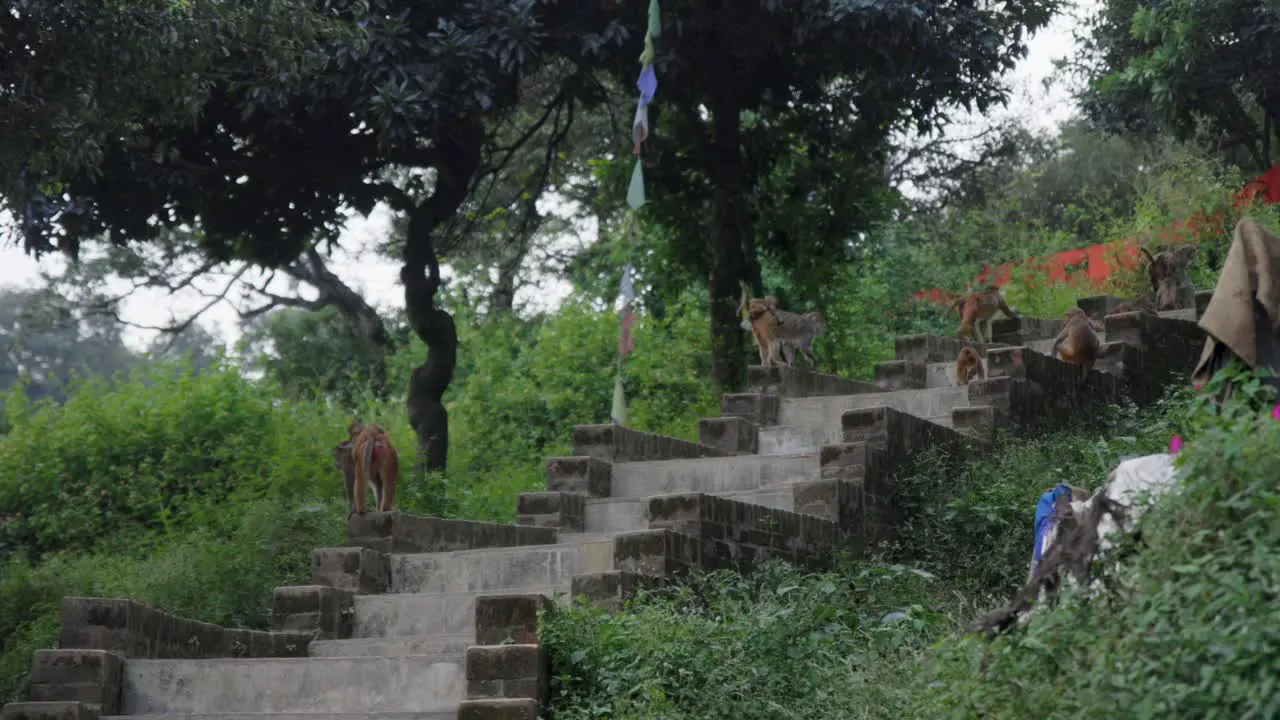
(978, 307)
(780, 331)
(1167, 271)
(970, 366)
(1078, 343)
(762, 320)
(366, 458)
(796, 332)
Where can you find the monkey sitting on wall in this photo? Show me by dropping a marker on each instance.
(977, 307)
(1167, 271)
(366, 458)
(1077, 343)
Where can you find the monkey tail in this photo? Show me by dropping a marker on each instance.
(1147, 252)
(364, 469)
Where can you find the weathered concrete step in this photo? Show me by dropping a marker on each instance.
(711, 475)
(811, 439)
(616, 515)
(492, 570)
(790, 439)
(440, 715)
(392, 647)
(409, 684)
(825, 412)
(398, 615)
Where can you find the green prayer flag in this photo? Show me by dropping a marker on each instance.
(635, 191)
(655, 19)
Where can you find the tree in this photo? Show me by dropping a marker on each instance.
(48, 339)
(265, 177)
(841, 74)
(79, 73)
(1188, 66)
(306, 351)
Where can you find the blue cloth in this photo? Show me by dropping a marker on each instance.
(1044, 518)
(647, 84)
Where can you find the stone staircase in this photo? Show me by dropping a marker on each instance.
(427, 618)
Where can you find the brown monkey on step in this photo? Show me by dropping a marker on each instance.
(762, 320)
(1078, 343)
(977, 307)
(368, 457)
(969, 366)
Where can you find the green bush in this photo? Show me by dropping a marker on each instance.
(1190, 632)
(779, 644)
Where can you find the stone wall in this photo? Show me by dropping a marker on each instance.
(894, 375)
(729, 534)
(395, 532)
(1054, 392)
(857, 489)
(134, 629)
(733, 435)
(611, 443)
(797, 383)
(508, 671)
(1166, 351)
(758, 408)
(933, 348)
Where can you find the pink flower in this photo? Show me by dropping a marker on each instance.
(1275, 413)
(1175, 445)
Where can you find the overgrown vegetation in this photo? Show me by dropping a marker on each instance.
(198, 486)
(786, 644)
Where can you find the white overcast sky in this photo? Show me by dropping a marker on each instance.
(377, 280)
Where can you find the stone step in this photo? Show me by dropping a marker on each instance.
(450, 714)
(617, 515)
(711, 475)
(790, 439)
(825, 412)
(399, 615)
(409, 684)
(811, 439)
(392, 647)
(492, 570)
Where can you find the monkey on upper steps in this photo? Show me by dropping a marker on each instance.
(366, 458)
(1167, 271)
(977, 307)
(1077, 343)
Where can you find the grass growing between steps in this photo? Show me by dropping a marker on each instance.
(878, 639)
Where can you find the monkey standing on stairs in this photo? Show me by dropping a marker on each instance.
(979, 306)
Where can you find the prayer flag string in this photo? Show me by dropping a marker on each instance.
(647, 84)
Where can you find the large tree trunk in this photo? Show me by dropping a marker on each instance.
(731, 232)
(459, 158)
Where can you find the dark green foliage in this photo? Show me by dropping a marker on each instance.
(1189, 630)
(1189, 67)
(779, 644)
(80, 75)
